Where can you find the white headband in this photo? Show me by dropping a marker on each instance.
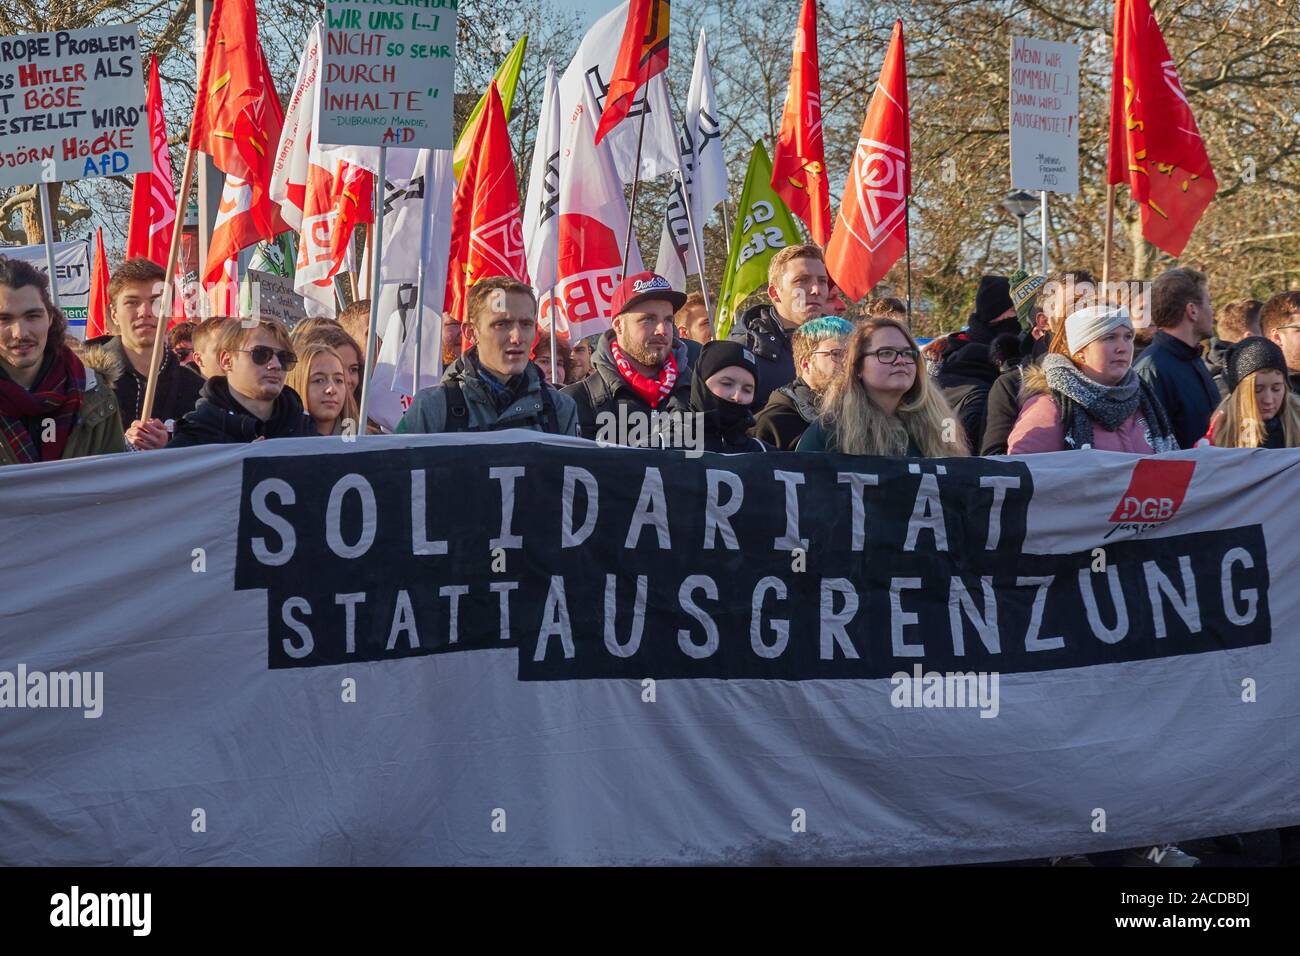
(1087, 325)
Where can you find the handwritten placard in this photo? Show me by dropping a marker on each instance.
(1044, 115)
(389, 71)
(271, 296)
(72, 106)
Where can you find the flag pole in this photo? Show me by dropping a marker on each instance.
(699, 259)
(419, 274)
(1042, 233)
(47, 226)
(169, 284)
(1110, 231)
(377, 254)
(907, 232)
(726, 226)
(636, 177)
(553, 336)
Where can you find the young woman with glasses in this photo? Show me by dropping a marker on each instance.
(883, 402)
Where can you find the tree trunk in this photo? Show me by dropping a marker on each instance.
(31, 215)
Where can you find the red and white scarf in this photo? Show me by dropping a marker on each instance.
(651, 390)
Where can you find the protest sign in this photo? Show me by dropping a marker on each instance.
(389, 69)
(271, 296)
(72, 272)
(72, 106)
(1044, 115)
(634, 656)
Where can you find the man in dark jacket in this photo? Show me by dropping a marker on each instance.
(1171, 365)
(819, 347)
(1237, 320)
(1002, 407)
(639, 366)
(494, 385)
(966, 370)
(133, 295)
(800, 290)
(250, 401)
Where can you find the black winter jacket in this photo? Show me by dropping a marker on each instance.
(764, 335)
(178, 385)
(786, 416)
(219, 419)
(605, 390)
(1181, 381)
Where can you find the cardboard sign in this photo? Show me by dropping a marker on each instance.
(1044, 115)
(389, 73)
(271, 296)
(72, 106)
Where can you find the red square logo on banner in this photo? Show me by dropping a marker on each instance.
(1155, 492)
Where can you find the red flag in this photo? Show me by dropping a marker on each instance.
(799, 163)
(871, 229)
(1154, 144)
(97, 313)
(153, 194)
(487, 229)
(237, 120)
(338, 196)
(642, 54)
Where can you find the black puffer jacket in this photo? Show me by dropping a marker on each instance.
(764, 335)
(966, 373)
(219, 419)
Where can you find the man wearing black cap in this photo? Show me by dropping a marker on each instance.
(966, 368)
(639, 366)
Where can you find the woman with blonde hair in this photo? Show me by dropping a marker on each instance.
(883, 402)
(321, 379)
(1261, 411)
(1085, 394)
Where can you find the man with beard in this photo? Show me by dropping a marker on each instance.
(639, 366)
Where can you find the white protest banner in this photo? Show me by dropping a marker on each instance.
(956, 677)
(72, 106)
(71, 271)
(389, 70)
(1044, 115)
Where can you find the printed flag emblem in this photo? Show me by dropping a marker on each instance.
(882, 184)
(1155, 492)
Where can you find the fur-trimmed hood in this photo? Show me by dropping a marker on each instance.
(1033, 381)
(105, 356)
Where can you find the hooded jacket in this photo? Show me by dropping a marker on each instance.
(1039, 427)
(966, 374)
(1181, 381)
(786, 416)
(761, 331)
(605, 389)
(726, 424)
(1002, 407)
(98, 429)
(178, 385)
(523, 406)
(219, 419)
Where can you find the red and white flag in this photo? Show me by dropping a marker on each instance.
(799, 161)
(871, 228)
(153, 193)
(593, 226)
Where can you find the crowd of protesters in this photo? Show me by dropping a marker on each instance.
(1043, 364)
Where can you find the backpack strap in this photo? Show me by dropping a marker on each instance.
(597, 395)
(457, 410)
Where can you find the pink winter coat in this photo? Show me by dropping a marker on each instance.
(1038, 428)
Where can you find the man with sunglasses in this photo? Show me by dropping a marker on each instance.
(819, 346)
(133, 302)
(248, 400)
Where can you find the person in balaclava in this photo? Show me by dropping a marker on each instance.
(722, 391)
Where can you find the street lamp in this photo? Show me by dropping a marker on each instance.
(1020, 204)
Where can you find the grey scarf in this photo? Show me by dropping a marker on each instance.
(1083, 402)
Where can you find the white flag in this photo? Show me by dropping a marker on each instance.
(541, 208)
(427, 218)
(704, 170)
(592, 230)
(590, 72)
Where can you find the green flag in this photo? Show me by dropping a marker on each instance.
(506, 77)
(763, 226)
